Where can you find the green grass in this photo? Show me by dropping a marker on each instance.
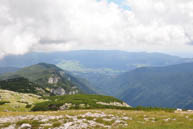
(34, 123)
(4, 125)
(56, 124)
(88, 102)
(100, 120)
(156, 119)
(4, 102)
(13, 101)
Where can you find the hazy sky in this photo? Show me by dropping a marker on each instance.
(131, 25)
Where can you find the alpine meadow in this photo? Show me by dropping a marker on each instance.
(96, 64)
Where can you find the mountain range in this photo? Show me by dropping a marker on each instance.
(140, 79)
(169, 86)
(95, 59)
(97, 66)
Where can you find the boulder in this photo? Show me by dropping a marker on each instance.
(25, 126)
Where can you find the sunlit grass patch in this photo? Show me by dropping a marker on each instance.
(56, 124)
(4, 125)
(34, 123)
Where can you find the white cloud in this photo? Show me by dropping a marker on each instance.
(171, 19)
(150, 25)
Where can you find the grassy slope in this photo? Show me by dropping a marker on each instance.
(22, 85)
(157, 120)
(169, 86)
(35, 72)
(88, 100)
(17, 101)
(40, 73)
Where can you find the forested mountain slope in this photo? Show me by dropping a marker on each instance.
(170, 86)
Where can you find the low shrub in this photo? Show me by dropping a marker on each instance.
(28, 106)
(77, 100)
(4, 102)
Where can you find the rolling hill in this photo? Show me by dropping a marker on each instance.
(151, 79)
(51, 78)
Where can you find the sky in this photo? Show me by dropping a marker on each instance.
(63, 25)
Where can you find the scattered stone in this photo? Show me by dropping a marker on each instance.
(25, 126)
(65, 106)
(58, 91)
(178, 109)
(127, 118)
(10, 127)
(47, 124)
(118, 121)
(67, 125)
(146, 119)
(68, 121)
(166, 120)
(105, 119)
(114, 104)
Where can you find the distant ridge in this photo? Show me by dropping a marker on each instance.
(169, 86)
(113, 59)
(8, 69)
(52, 78)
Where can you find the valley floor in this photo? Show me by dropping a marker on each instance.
(99, 119)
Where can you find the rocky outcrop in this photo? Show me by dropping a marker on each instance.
(73, 92)
(66, 106)
(114, 104)
(61, 91)
(62, 73)
(58, 91)
(53, 80)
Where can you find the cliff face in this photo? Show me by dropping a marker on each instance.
(61, 90)
(58, 91)
(53, 80)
